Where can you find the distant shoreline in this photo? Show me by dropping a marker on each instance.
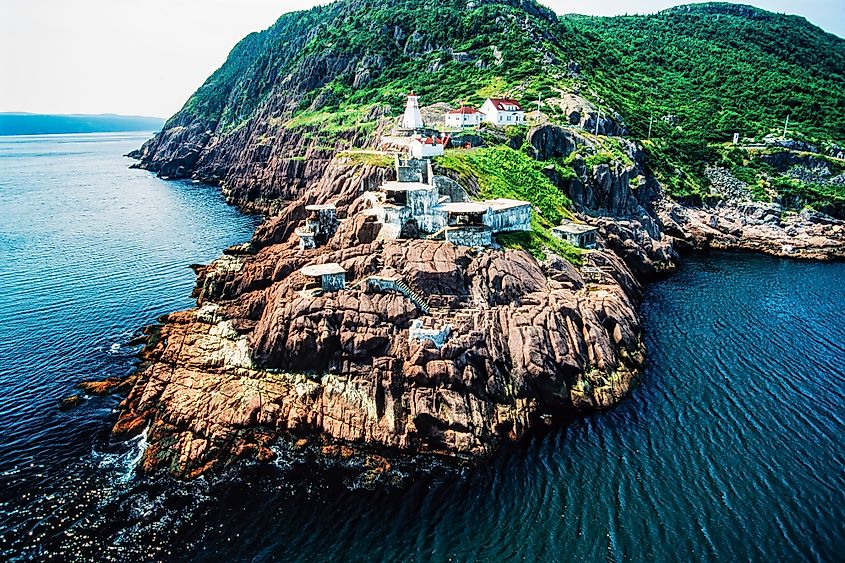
(28, 124)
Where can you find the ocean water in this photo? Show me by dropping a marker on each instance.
(732, 448)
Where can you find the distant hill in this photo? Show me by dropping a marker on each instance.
(716, 68)
(38, 124)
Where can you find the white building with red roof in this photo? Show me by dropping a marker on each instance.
(427, 147)
(464, 116)
(503, 111)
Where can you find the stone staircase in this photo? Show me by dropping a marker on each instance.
(415, 297)
(397, 285)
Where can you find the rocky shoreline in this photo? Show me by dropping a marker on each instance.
(259, 368)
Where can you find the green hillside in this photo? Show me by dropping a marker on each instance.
(697, 74)
(694, 75)
(716, 69)
(710, 69)
(365, 52)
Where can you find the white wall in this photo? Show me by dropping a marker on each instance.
(421, 150)
(493, 115)
(464, 120)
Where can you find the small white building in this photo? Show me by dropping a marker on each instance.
(320, 225)
(324, 277)
(505, 215)
(464, 116)
(576, 234)
(427, 147)
(503, 111)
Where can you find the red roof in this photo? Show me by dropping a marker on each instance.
(433, 141)
(464, 110)
(500, 103)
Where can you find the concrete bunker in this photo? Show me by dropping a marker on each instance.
(325, 278)
(576, 234)
(320, 225)
(467, 224)
(420, 205)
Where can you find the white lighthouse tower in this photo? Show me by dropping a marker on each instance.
(412, 119)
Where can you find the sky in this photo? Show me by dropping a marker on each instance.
(147, 58)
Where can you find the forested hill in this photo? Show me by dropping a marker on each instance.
(321, 80)
(710, 69)
(714, 69)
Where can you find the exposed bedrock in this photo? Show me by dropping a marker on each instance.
(646, 229)
(262, 165)
(758, 227)
(258, 361)
(517, 343)
(615, 196)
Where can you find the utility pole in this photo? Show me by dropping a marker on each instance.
(650, 122)
(785, 125)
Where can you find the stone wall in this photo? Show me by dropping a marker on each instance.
(510, 219)
(469, 236)
(431, 222)
(422, 202)
(333, 282)
(408, 174)
(437, 336)
(306, 239)
(395, 215)
(413, 170)
(451, 189)
(323, 223)
(380, 284)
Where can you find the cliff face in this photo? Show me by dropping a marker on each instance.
(647, 228)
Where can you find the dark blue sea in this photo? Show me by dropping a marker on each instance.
(732, 448)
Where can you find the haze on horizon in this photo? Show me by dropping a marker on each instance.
(111, 56)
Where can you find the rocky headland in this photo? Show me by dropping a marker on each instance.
(531, 343)
(509, 339)
(258, 365)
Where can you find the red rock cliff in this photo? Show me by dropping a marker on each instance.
(258, 362)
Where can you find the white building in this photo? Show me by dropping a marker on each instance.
(576, 234)
(418, 209)
(427, 147)
(324, 277)
(412, 119)
(464, 116)
(503, 111)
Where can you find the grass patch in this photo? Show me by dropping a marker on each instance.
(538, 241)
(368, 158)
(504, 172)
(816, 195)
